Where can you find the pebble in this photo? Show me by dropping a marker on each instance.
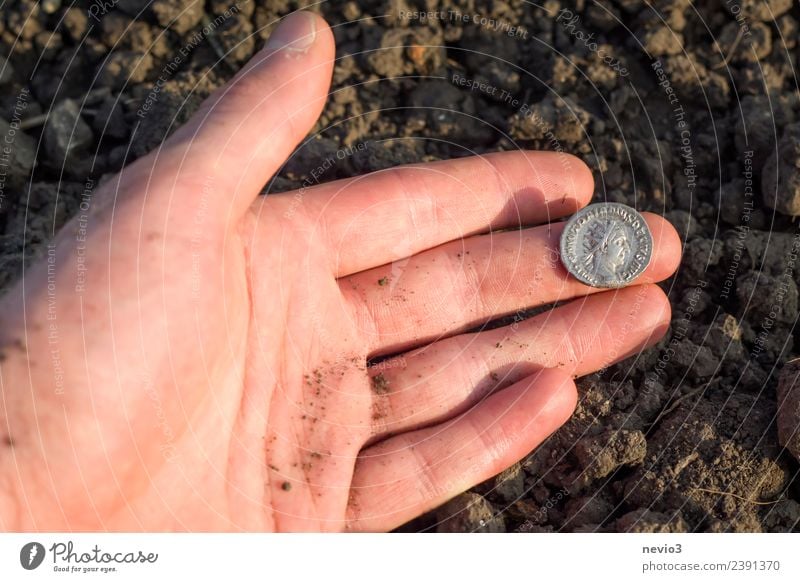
(66, 133)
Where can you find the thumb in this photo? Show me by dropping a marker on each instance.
(243, 132)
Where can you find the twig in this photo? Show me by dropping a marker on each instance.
(735, 496)
(732, 49)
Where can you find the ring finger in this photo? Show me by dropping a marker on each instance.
(447, 377)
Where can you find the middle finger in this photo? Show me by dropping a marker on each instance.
(462, 284)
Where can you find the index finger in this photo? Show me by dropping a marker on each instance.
(392, 214)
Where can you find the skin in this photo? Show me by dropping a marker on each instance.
(208, 370)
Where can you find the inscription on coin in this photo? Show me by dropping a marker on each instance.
(606, 245)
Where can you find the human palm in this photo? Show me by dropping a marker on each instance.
(201, 360)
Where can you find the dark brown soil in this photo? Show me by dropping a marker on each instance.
(684, 109)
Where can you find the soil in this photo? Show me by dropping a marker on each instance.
(688, 110)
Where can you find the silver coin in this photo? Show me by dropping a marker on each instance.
(606, 245)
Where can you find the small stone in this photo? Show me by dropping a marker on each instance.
(789, 407)
(780, 179)
(469, 512)
(66, 134)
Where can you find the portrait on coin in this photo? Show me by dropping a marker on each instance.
(607, 249)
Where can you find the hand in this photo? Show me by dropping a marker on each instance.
(193, 357)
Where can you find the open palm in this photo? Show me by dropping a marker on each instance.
(192, 357)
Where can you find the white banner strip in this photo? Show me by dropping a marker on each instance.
(398, 557)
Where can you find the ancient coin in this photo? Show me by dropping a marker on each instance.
(606, 245)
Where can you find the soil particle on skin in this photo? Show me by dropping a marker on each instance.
(380, 385)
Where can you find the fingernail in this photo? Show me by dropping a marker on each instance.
(295, 34)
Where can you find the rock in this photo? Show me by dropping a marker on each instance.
(780, 179)
(66, 134)
(469, 512)
(789, 407)
(180, 17)
(21, 159)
